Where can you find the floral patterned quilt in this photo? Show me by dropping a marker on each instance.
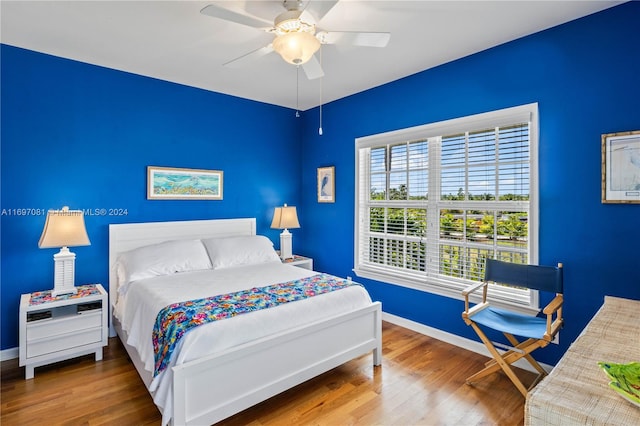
(176, 319)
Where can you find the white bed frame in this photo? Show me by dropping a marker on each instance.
(290, 357)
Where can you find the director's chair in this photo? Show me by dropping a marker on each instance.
(538, 332)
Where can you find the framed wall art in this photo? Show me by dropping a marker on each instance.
(621, 167)
(327, 184)
(169, 183)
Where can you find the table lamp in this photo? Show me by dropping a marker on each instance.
(64, 228)
(284, 218)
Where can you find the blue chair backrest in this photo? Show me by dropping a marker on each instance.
(545, 278)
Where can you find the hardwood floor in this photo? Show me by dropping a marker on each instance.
(421, 382)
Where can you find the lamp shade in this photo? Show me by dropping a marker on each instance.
(64, 228)
(285, 217)
(296, 47)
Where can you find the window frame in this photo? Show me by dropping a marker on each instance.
(521, 300)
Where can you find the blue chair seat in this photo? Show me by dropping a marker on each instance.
(511, 322)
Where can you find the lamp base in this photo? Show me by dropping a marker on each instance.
(63, 282)
(285, 245)
(63, 290)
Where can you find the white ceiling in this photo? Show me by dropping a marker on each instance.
(173, 41)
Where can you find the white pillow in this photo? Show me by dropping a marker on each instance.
(164, 258)
(243, 250)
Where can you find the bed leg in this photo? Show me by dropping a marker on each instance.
(377, 356)
(377, 352)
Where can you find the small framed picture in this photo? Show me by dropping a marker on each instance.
(170, 183)
(327, 184)
(621, 167)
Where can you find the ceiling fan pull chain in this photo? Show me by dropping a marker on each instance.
(297, 91)
(321, 80)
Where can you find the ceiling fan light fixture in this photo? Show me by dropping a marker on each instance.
(297, 47)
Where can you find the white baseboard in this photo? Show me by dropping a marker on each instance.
(453, 339)
(8, 354)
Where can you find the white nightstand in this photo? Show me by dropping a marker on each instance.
(300, 261)
(53, 329)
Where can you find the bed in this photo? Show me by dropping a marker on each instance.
(252, 357)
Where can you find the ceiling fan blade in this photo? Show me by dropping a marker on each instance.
(319, 8)
(264, 9)
(239, 17)
(312, 68)
(249, 57)
(354, 38)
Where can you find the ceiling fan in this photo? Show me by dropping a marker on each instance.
(297, 38)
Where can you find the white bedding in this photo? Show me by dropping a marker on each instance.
(140, 301)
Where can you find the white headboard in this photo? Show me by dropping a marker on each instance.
(128, 236)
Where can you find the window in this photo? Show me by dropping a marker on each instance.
(434, 201)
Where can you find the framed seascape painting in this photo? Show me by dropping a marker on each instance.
(168, 183)
(621, 167)
(327, 184)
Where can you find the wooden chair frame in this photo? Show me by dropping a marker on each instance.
(518, 350)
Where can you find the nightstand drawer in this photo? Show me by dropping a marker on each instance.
(61, 326)
(63, 342)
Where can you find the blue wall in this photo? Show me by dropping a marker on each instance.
(585, 75)
(80, 135)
